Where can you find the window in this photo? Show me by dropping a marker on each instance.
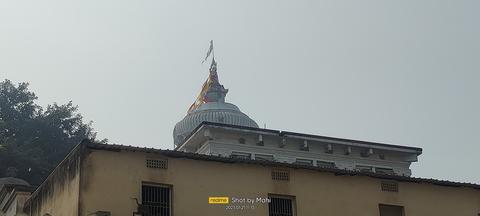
(391, 210)
(386, 171)
(156, 200)
(304, 162)
(241, 155)
(362, 168)
(101, 213)
(263, 157)
(326, 164)
(281, 206)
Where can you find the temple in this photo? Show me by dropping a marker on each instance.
(215, 127)
(224, 164)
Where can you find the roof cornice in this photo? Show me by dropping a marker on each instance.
(343, 141)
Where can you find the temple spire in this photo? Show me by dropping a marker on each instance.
(212, 90)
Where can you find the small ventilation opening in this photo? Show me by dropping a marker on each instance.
(264, 157)
(158, 163)
(281, 175)
(390, 186)
(362, 168)
(241, 155)
(326, 164)
(306, 162)
(386, 171)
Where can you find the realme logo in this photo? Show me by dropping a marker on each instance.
(218, 200)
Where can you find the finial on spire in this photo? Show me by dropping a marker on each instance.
(213, 66)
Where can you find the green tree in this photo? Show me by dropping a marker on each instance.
(33, 140)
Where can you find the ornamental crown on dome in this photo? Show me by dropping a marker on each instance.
(212, 90)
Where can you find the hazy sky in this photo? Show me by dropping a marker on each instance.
(400, 72)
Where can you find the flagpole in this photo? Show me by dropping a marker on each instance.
(213, 52)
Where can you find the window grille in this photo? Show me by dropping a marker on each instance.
(391, 210)
(326, 164)
(304, 162)
(387, 171)
(389, 186)
(157, 163)
(156, 200)
(102, 213)
(263, 157)
(241, 155)
(282, 175)
(280, 206)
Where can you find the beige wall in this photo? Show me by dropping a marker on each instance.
(59, 194)
(111, 179)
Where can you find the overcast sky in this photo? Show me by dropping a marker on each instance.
(399, 72)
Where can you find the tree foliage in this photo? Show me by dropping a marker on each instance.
(33, 140)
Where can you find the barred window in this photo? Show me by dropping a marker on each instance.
(326, 164)
(281, 206)
(97, 213)
(391, 210)
(156, 200)
(241, 155)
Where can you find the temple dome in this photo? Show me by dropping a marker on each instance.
(210, 106)
(217, 112)
(12, 181)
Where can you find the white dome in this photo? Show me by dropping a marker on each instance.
(12, 181)
(218, 112)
